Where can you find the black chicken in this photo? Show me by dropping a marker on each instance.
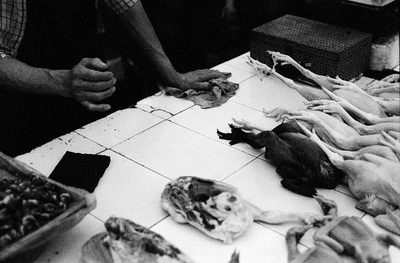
(299, 160)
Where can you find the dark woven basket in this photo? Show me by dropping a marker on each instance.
(324, 49)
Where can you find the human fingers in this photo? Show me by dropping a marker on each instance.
(92, 69)
(91, 106)
(79, 85)
(201, 75)
(90, 75)
(199, 79)
(94, 96)
(94, 63)
(198, 86)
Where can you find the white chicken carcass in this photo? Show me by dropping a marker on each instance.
(375, 124)
(341, 88)
(307, 118)
(372, 179)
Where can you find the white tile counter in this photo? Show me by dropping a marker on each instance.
(164, 138)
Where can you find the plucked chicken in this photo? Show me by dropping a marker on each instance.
(372, 179)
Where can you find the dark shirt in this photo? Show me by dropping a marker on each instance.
(57, 35)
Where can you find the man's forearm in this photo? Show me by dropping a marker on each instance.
(139, 26)
(20, 77)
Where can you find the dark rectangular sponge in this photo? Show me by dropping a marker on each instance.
(80, 170)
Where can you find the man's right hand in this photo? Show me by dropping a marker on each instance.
(89, 82)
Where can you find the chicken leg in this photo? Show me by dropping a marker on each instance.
(329, 106)
(308, 92)
(368, 117)
(341, 88)
(389, 84)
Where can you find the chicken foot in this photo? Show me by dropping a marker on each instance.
(337, 139)
(248, 126)
(308, 92)
(382, 107)
(388, 84)
(368, 117)
(332, 120)
(379, 150)
(344, 89)
(384, 87)
(329, 106)
(323, 81)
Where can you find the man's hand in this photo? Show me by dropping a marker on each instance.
(198, 80)
(90, 82)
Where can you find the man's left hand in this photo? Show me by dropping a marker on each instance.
(199, 79)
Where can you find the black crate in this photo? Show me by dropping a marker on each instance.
(375, 17)
(322, 48)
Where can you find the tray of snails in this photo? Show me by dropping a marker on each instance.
(35, 209)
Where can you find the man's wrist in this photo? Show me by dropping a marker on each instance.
(59, 82)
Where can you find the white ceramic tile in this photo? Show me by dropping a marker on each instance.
(241, 63)
(187, 144)
(219, 119)
(344, 189)
(163, 105)
(46, 157)
(67, 246)
(173, 151)
(238, 75)
(119, 126)
(268, 93)
(259, 184)
(257, 244)
(131, 191)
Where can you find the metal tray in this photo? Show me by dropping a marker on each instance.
(32, 244)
